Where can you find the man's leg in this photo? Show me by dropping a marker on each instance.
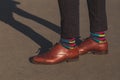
(97, 42)
(97, 14)
(98, 19)
(69, 10)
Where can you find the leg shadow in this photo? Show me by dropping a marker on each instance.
(7, 7)
(40, 40)
(46, 23)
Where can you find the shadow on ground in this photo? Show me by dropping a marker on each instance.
(8, 7)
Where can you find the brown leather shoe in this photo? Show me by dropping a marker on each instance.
(56, 55)
(90, 45)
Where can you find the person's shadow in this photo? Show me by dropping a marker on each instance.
(7, 7)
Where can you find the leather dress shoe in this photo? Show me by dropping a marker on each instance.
(89, 45)
(55, 55)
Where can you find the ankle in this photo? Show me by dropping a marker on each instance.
(98, 37)
(68, 43)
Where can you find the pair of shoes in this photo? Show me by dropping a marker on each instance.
(56, 55)
(89, 45)
(60, 54)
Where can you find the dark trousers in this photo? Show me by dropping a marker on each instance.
(69, 10)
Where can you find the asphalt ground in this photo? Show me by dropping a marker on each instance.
(36, 24)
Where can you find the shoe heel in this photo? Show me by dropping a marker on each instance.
(72, 59)
(100, 52)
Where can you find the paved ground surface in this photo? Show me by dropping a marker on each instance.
(36, 25)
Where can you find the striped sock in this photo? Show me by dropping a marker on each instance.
(68, 43)
(99, 37)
